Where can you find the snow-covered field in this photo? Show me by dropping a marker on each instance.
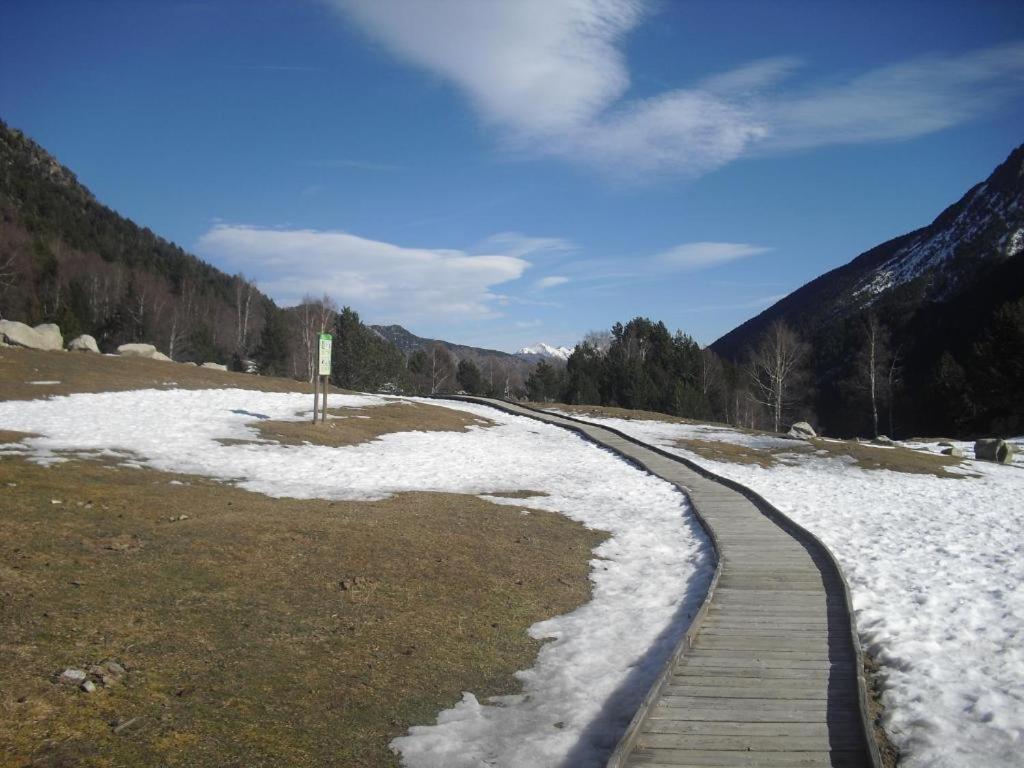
(648, 578)
(936, 567)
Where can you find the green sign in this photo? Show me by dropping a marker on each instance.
(325, 354)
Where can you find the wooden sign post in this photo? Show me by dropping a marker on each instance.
(323, 374)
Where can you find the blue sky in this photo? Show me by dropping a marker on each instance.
(499, 173)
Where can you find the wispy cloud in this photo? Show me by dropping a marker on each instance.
(552, 78)
(693, 256)
(518, 244)
(388, 282)
(551, 281)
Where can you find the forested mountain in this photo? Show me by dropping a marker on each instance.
(942, 308)
(68, 259)
(491, 362)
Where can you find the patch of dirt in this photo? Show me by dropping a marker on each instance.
(716, 450)
(84, 372)
(10, 436)
(258, 631)
(887, 750)
(518, 494)
(896, 459)
(350, 426)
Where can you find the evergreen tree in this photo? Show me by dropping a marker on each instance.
(469, 378)
(997, 375)
(544, 383)
(273, 351)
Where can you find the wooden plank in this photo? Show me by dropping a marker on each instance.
(745, 759)
(823, 742)
(719, 728)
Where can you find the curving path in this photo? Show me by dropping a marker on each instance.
(770, 672)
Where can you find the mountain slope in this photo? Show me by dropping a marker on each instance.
(965, 244)
(67, 258)
(936, 291)
(487, 360)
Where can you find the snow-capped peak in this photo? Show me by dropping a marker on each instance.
(545, 350)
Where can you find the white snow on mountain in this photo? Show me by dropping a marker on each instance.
(545, 350)
(984, 212)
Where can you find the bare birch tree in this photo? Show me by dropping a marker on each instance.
(442, 368)
(243, 305)
(776, 370)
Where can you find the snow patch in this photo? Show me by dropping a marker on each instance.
(936, 570)
(648, 578)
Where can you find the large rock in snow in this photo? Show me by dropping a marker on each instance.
(802, 430)
(214, 366)
(45, 337)
(142, 350)
(84, 343)
(994, 449)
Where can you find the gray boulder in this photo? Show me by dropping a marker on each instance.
(147, 351)
(994, 449)
(214, 366)
(83, 343)
(883, 440)
(956, 453)
(45, 337)
(802, 430)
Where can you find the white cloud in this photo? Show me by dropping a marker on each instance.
(385, 282)
(552, 78)
(693, 256)
(536, 66)
(551, 282)
(520, 245)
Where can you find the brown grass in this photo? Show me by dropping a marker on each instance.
(83, 372)
(255, 631)
(350, 426)
(896, 459)
(716, 450)
(258, 631)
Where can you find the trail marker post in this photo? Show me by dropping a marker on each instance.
(322, 376)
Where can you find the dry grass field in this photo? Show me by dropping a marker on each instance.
(253, 631)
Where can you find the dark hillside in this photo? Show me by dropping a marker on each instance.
(67, 258)
(939, 293)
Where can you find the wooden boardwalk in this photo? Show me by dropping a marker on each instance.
(770, 672)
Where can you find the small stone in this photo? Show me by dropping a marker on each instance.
(802, 430)
(113, 667)
(121, 725)
(56, 501)
(882, 440)
(88, 686)
(71, 676)
(956, 453)
(994, 449)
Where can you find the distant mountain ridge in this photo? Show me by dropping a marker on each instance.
(487, 360)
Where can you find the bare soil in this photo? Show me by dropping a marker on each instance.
(86, 372)
(350, 426)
